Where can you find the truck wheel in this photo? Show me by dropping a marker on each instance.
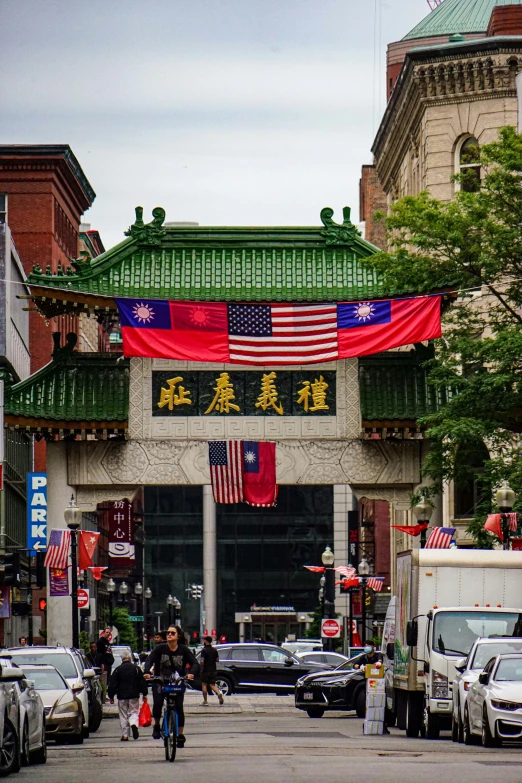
(413, 718)
(315, 712)
(431, 725)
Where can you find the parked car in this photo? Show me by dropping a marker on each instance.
(331, 659)
(9, 720)
(468, 670)
(31, 718)
(74, 668)
(493, 710)
(259, 667)
(343, 688)
(62, 707)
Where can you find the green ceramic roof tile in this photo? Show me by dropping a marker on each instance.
(457, 16)
(83, 387)
(227, 264)
(394, 387)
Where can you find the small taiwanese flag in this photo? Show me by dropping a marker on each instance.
(259, 473)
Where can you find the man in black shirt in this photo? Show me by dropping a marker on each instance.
(209, 657)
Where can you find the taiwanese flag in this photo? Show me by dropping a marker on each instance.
(370, 327)
(259, 473)
(159, 329)
(87, 545)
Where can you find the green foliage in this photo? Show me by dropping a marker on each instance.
(314, 631)
(472, 245)
(126, 629)
(84, 642)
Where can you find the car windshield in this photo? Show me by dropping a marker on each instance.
(485, 652)
(46, 679)
(509, 670)
(61, 661)
(455, 632)
(348, 664)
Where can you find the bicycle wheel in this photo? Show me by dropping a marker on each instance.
(172, 736)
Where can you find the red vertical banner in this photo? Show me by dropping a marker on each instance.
(121, 535)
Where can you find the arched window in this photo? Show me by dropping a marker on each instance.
(467, 163)
(468, 486)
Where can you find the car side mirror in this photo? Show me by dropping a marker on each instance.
(461, 664)
(412, 633)
(78, 688)
(11, 674)
(89, 674)
(289, 661)
(29, 683)
(97, 670)
(483, 678)
(390, 651)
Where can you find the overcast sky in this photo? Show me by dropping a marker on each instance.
(224, 112)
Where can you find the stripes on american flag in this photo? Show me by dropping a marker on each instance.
(440, 538)
(226, 470)
(347, 571)
(282, 333)
(376, 583)
(57, 555)
(513, 521)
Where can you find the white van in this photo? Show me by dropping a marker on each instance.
(388, 655)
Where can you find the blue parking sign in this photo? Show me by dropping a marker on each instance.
(36, 512)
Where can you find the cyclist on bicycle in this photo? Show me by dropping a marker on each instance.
(165, 660)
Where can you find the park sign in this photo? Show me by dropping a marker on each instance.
(36, 512)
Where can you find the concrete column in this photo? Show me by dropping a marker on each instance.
(209, 558)
(59, 610)
(344, 500)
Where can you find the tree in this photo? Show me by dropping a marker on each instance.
(471, 247)
(126, 630)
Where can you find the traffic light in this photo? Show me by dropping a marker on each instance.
(40, 570)
(42, 604)
(12, 573)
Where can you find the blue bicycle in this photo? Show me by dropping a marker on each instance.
(169, 724)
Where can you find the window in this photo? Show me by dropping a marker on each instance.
(274, 656)
(467, 163)
(245, 654)
(3, 208)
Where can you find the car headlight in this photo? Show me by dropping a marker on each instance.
(336, 682)
(510, 706)
(68, 706)
(440, 686)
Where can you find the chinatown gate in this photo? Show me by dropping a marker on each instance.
(139, 428)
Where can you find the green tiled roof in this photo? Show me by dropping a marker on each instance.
(220, 264)
(90, 388)
(456, 16)
(394, 387)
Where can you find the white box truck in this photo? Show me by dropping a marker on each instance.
(445, 599)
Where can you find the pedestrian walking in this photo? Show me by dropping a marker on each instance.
(209, 657)
(91, 655)
(105, 658)
(160, 637)
(165, 660)
(127, 683)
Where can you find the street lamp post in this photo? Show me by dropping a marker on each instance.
(423, 512)
(328, 559)
(123, 590)
(505, 498)
(177, 611)
(111, 588)
(363, 570)
(148, 596)
(138, 592)
(170, 603)
(73, 520)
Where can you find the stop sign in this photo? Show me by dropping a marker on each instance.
(83, 598)
(331, 629)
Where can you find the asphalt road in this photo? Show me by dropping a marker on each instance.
(293, 748)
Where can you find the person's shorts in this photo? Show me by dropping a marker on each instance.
(209, 678)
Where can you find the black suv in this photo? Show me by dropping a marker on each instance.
(259, 667)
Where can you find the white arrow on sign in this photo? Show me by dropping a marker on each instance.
(38, 545)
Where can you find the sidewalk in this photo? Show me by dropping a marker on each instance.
(240, 704)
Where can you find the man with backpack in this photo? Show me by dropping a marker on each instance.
(127, 683)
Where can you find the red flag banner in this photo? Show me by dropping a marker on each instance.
(86, 548)
(97, 571)
(412, 530)
(259, 473)
(121, 535)
(316, 569)
(492, 524)
(274, 334)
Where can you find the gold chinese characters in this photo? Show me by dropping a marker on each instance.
(224, 395)
(315, 390)
(269, 395)
(171, 397)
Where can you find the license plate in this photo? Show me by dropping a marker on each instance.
(308, 696)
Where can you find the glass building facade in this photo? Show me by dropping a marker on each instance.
(260, 551)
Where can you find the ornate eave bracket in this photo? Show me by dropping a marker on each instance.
(148, 234)
(335, 233)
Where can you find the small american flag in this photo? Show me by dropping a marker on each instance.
(347, 571)
(513, 521)
(440, 538)
(282, 333)
(226, 470)
(376, 583)
(57, 555)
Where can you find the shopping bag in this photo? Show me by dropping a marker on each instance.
(145, 718)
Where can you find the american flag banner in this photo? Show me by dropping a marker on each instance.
(226, 470)
(57, 555)
(440, 538)
(347, 571)
(513, 521)
(376, 583)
